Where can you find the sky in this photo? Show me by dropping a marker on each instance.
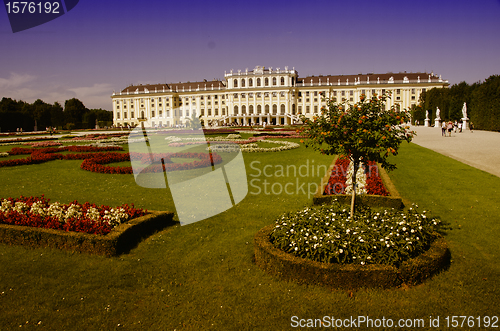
(103, 46)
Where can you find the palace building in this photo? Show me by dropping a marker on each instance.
(261, 95)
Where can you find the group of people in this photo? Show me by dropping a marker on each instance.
(448, 127)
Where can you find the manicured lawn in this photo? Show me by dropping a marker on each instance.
(201, 276)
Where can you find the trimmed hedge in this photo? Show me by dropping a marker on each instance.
(291, 268)
(393, 201)
(120, 240)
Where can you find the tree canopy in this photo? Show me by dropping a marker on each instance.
(20, 114)
(363, 132)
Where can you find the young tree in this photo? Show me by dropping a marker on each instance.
(363, 132)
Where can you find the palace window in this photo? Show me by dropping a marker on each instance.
(250, 82)
(235, 83)
(159, 113)
(307, 109)
(235, 110)
(398, 91)
(274, 94)
(125, 115)
(259, 94)
(315, 93)
(259, 109)
(315, 109)
(282, 94)
(412, 91)
(132, 114)
(335, 93)
(117, 115)
(258, 81)
(153, 113)
(250, 109)
(243, 95)
(266, 109)
(235, 95)
(274, 81)
(243, 109)
(242, 83)
(266, 82)
(351, 92)
(282, 80)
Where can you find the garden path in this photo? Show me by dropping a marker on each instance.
(480, 149)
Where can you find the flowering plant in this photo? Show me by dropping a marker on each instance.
(88, 218)
(363, 131)
(367, 178)
(328, 234)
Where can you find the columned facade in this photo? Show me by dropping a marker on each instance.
(262, 95)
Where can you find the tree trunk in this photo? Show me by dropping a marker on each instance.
(355, 164)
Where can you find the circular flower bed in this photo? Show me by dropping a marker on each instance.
(373, 245)
(328, 234)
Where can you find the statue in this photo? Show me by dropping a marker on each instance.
(437, 120)
(464, 111)
(426, 114)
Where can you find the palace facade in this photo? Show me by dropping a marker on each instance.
(249, 97)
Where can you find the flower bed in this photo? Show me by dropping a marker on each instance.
(247, 145)
(88, 218)
(95, 162)
(120, 240)
(381, 248)
(367, 179)
(381, 192)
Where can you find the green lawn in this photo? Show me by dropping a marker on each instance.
(201, 276)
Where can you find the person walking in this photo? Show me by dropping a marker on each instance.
(450, 127)
(471, 127)
(443, 129)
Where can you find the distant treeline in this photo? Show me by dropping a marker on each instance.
(482, 98)
(15, 115)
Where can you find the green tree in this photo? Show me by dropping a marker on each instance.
(364, 132)
(195, 122)
(485, 105)
(73, 112)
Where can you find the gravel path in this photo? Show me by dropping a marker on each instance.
(480, 149)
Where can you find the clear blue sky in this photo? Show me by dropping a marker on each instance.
(101, 46)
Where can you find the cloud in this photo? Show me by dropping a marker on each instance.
(15, 80)
(30, 88)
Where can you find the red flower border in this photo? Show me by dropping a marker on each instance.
(337, 181)
(73, 224)
(95, 161)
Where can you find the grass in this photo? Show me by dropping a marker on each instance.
(201, 276)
